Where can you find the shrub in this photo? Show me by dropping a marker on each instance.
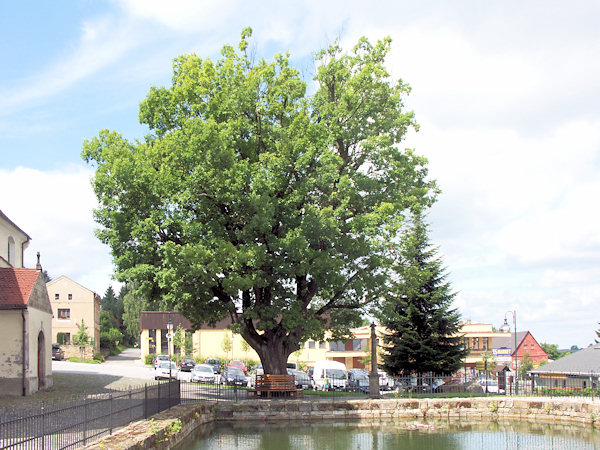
(99, 357)
(149, 359)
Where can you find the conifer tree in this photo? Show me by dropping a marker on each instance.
(422, 326)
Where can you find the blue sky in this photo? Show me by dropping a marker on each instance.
(506, 95)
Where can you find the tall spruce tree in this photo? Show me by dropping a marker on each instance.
(422, 325)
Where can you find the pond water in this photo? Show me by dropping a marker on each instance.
(407, 435)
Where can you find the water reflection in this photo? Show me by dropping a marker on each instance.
(409, 435)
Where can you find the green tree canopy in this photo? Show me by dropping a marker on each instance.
(252, 200)
(423, 329)
(110, 302)
(552, 351)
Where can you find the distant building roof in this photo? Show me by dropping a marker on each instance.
(16, 286)
(586, 360)
(509, 340)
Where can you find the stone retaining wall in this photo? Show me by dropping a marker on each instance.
(170, 427)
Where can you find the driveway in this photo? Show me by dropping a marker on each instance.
(127, 364)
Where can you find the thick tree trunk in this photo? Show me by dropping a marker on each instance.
(273, 353)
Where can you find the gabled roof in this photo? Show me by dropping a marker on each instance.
(16, 286)
(65, 278)
(509, 340)
(583, 361)
(3, 216)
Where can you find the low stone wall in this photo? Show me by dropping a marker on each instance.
(79, 351)
(170, 427)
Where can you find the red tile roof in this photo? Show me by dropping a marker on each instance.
(16, 286)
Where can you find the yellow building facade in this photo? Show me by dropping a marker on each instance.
(220, 342)
(73, 303)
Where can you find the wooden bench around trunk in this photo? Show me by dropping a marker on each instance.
(269, 385)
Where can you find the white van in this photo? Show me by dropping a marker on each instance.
(333, 371)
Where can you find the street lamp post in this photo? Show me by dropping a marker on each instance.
(169, 331)
(506, 328)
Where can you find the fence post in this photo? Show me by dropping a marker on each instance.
(110, 414)
(130, 405)
(43, 427)
(85, 420)
(146, 401)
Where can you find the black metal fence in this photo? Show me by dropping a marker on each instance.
(73, 424)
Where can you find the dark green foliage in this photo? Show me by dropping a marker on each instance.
(110, 302)
(423, 327)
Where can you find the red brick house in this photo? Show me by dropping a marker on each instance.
(526, 344)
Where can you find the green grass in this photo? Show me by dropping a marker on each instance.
(77, 359)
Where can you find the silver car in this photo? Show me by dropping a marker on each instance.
(203, 373)
(165, 370)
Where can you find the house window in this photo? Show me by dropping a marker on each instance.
(68, 338)
(64, 314)
(56, 296)
(11, 251)
(70, 296)
(359, 344)
(323, 344)
(311, 344)
(484, 343)
(337, 346)
(476, 343)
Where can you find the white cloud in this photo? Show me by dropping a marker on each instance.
(103, 42)
(55, 209)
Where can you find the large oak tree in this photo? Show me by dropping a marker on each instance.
(255, 200)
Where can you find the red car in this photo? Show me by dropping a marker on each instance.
(239, 365)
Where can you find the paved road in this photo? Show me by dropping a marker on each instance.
(127, 364)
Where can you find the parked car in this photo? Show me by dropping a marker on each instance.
(358, 381)
(492, 386)
(187, 364)
(239, 364)
(303, 381)
(386, 382)
(161, 358)
(57, 352)
(203, 373)
(163, 371)
(233, 376)
(215, 363)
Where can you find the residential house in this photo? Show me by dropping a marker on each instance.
(478, 337)
(578, 370)
(74, 304)
(526, 345)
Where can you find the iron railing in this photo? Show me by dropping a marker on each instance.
(63, 425)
